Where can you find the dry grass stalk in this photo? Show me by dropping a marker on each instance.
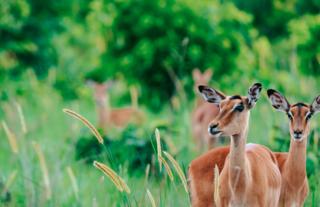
(114, 177)
(216, 186)
(73, 182)
(22, 119)
(44, 170)
(147, 174)
(85, 122)
(11, 138)
(109, 173)
(175, 102)
(153, 203)
(9, 182)
(167, 167)
(134, 96)
(172, 147)
(178, 170)
(157, 133)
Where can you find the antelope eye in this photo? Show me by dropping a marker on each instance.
(239, 108)
(290, 116)
(308, 116)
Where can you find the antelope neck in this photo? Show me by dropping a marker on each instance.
(103, 110)
(237, 162)
(296, 162)
(199, 102)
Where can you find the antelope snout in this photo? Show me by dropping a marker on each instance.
(213, 129)
(297, 134)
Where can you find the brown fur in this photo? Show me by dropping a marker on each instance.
(292, 165)
(203, 113)
(201, 169)
(245, 168)
(201, 176)
(112, 117)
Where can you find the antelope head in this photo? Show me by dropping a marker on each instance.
(201, 78)
(100, 91)
(234, 110)
(299, 114)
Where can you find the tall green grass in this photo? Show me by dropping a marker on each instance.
(39, 119)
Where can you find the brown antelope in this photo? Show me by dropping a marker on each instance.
(250, 175)
(203, 112)
(108, 116)
(292, 165)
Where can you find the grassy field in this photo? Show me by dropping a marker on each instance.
(38, 167)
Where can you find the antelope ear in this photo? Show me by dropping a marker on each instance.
(196, 74)
(278, 101)
(208, 73)
(211, 95)
(315, 106)
(254, 94)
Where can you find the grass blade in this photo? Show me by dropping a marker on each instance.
(114, 177)
(216, 191)
(11, 138)
(167, 167)
(9, 182)
(178, 170)
(44, 170)
(153, 203)
(21, 117)
(85, 122)
(157, 134)
(73, 182)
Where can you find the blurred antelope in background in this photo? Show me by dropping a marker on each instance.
(203, 112)
(292, 165)
(250, 175)
(114, 117)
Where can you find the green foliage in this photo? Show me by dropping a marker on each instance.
(169, 36)
(49, 49)
(139, 151)
(305, 36)
(26, 31)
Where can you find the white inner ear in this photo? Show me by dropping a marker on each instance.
(280, 102)
(210, 94)
(253, 96)
(316, 104)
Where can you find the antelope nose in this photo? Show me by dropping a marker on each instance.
(214, 126)
(297, 134)
(213, 129)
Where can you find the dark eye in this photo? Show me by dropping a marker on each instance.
(239, 108)
(290, 116)
(308, 116)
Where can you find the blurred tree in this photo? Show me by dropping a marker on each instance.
(151, 43)
(305, 38)
(149, 38)
(272, 16)
(26, 30)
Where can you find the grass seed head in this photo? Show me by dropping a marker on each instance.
(85, 122)
(167, 167)
(114, 177)
(157, 134)
(178, 170)
(44, 170)
(152, 201)
(11, 138)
